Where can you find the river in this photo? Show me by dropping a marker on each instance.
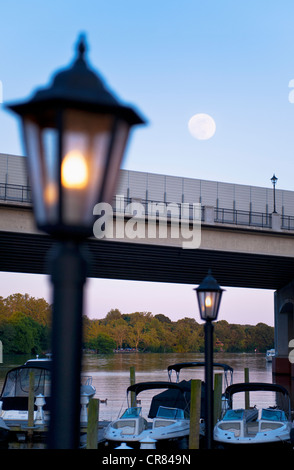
(111, 374)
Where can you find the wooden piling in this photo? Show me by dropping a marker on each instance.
(217, 394)
(31, 400)
(132, 382)
(195, 406)
(246, 380)
(92, 428)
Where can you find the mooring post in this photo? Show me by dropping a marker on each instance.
(92, 428)
(132, 382)
(217, 397)
(195, 406)
(31, 400)
(246, 380)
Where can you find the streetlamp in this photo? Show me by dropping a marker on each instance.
(274, 180)
(209, 295)
(75, 133)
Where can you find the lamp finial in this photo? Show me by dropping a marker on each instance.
(82, 47)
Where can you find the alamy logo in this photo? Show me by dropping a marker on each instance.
(149, 221)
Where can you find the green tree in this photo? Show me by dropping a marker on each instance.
(185, 335)
(113, 314)
(163, 318)
(118, 331)
(138, 327)
(7, 336)
(103, 344)
(23, 335)
(37, 309)
(263, 337)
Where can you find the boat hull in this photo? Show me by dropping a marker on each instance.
(174, 432)
(264, 438)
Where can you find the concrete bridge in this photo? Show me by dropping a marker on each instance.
(242, 240)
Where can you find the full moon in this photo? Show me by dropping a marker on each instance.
(202, 126)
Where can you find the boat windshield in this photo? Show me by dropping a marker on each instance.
(233, 415)
(273, 415)
(17, 382)
(132, 412)
(170, 413)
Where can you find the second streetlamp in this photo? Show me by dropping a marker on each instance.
(274, 180)
(209, 295)
(75, 132)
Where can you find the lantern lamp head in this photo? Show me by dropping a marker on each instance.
(75, 133)
(274, 179)
(209, 295)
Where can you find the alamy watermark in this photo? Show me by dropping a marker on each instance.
(149, 220)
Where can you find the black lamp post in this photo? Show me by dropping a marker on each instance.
(75, 133)
(274, 180)
(209, 295)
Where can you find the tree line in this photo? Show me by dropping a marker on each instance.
(25, 325)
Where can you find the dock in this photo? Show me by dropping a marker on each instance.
(23, 436)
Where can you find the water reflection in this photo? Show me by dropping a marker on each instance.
(111, 373)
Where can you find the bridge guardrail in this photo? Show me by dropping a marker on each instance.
(157, 208)
(287, 222)
(241, 217)
(20, 193)
(15, 193)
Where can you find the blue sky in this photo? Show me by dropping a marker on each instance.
(171, 59)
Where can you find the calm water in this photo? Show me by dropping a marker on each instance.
(111, 374)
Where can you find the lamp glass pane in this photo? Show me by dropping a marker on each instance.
(85, 147)
(66, 187)
(209, 302)
(41, 148)
(93, 146)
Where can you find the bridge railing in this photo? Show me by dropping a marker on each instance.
(23, 194)
(287, 222)
(241, 217)
(158, 208)
(15, 193)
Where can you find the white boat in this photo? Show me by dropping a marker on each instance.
(169, 416)
(227, 376)
(15, 392)
(271, 425)
(270, 353)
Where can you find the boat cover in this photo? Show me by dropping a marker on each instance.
(175, 395)
(15, 390)
(173, 398)
(141, 386)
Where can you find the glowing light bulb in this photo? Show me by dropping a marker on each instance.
(208, 302)
(50, 193)
(74, 170)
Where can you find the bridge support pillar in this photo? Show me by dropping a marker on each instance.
(283, 369)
